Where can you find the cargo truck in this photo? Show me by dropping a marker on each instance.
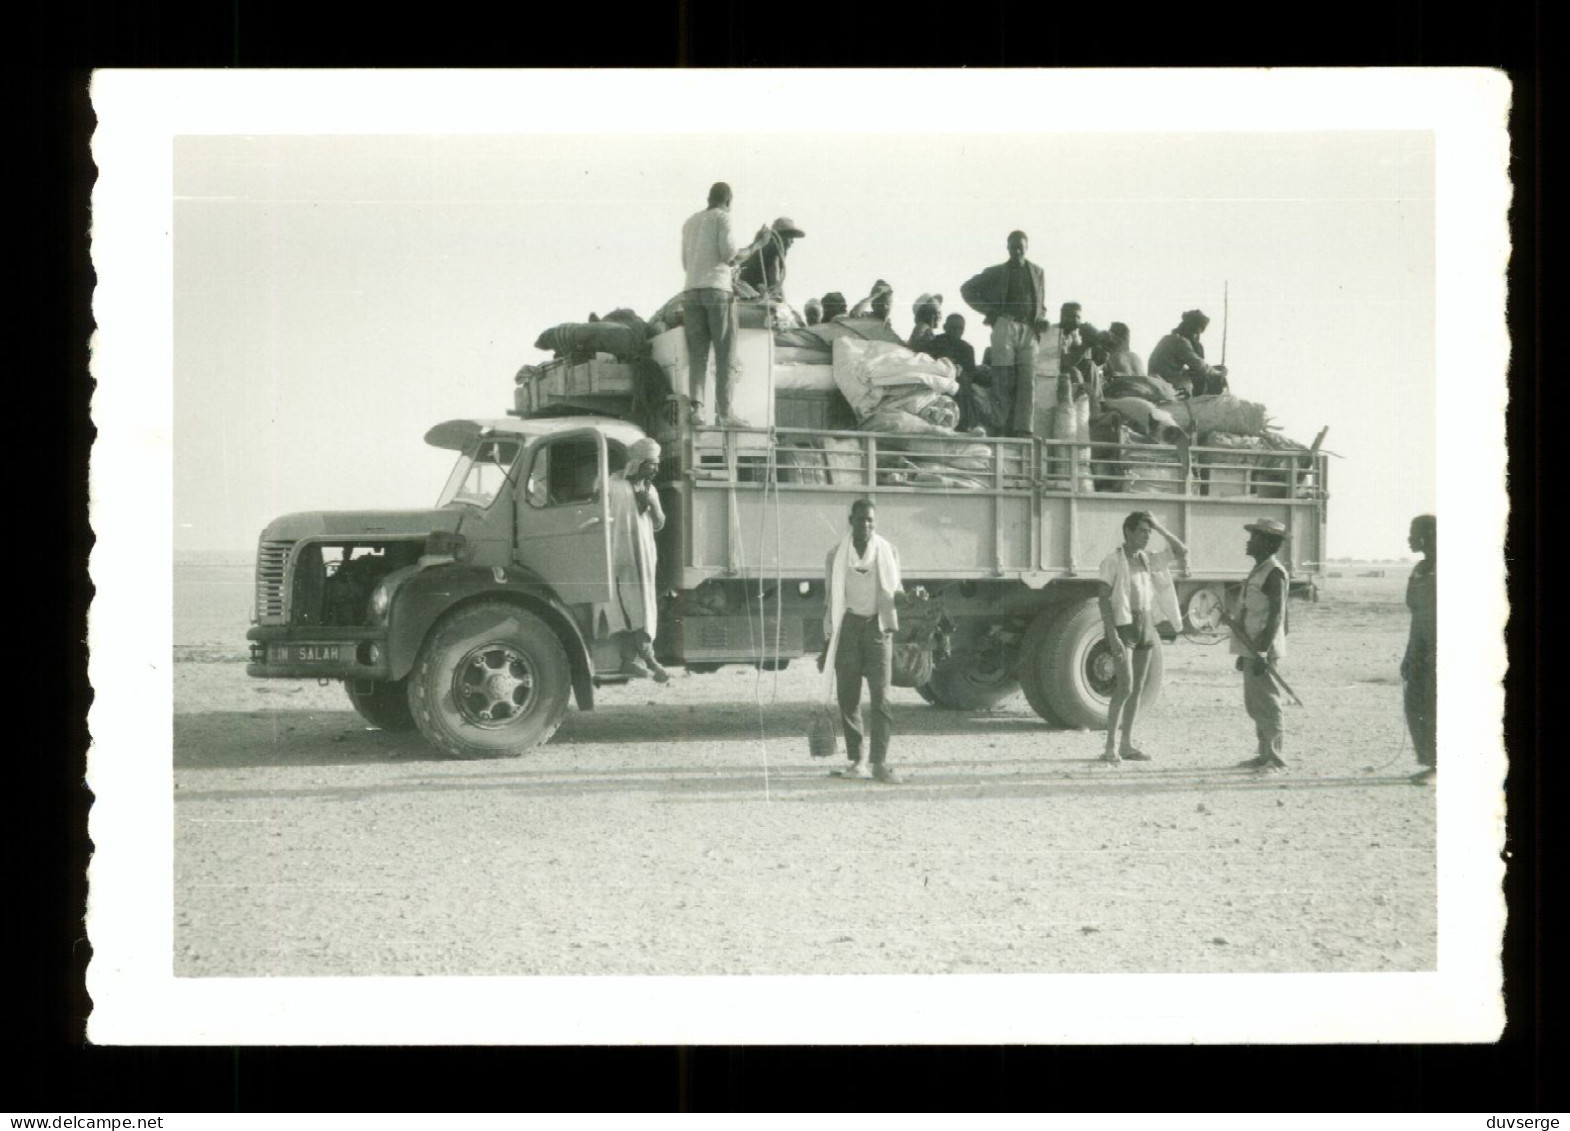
(478, 619)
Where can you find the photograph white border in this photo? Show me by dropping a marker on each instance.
(137, 999)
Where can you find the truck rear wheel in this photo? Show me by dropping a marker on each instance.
(1035, 668)
(382, 704)
(1080, 673)
(970, 680)
(491, 682)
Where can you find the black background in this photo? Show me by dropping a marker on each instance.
(51, 1068)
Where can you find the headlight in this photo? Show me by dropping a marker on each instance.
(381, 601)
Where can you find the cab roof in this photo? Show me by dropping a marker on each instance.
(458, 434)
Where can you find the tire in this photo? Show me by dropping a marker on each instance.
(967, 681)
(1202, 609)
(703, 668)
(1078, 678)
(1035, 670)
(382, 704)
(491, 682)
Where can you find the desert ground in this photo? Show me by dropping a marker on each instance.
(684, 829)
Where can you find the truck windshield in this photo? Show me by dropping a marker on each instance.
(480, 473)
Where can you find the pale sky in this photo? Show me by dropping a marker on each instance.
(336, 296)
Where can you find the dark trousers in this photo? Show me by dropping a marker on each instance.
(1262, 699)
(709, 318)
(1419, 699)
(865, 651)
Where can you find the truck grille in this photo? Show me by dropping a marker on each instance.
(272, 567)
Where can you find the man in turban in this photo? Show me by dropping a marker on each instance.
(1179, 358)
(636, 515)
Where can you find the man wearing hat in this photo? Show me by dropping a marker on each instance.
(636, 516)
(1259, 633)
(764, 269)
(1179, 358)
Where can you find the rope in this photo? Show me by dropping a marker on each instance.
(1400, 750)
(753, 635)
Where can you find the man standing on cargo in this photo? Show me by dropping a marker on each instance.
(709, 303)
(1011, 298)
(1259, 641)
(859, 622)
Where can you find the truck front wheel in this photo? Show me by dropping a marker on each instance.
(1075, 670)
(382, 704)
(491, 682)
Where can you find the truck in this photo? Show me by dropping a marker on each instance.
(479, 619)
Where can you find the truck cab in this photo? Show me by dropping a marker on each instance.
(473, 620)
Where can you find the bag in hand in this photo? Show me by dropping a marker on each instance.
(823, 732)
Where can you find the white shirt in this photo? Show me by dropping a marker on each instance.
(861, 584)
(707, 249)
(1149, 588)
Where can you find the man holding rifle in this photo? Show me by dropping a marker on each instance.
(1259, 641)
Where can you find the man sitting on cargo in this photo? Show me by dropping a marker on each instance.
(1121, 361)
(928, 310)
(877, 305)
(636, 515)
(1179, 359)
(764, 269)
(1011, 298)
(813, 311)
(974, 399)
(709, 304)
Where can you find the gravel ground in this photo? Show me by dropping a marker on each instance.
(685, 830)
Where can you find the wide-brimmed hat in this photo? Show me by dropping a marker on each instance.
(785, 226)
(1266, 526)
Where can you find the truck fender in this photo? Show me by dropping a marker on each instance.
(421, 597)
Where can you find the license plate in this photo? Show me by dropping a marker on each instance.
(302, 653)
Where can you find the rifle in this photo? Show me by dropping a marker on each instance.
(1238, 635)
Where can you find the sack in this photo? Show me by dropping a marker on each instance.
(823, 732)
(580, 341)
(912, 665)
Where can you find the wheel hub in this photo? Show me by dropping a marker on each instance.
(1101, 670)
(494, 685)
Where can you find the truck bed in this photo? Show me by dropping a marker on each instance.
(976, 508)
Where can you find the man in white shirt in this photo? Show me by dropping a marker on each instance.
(1138, 610)
(709, 303)
(859, 622)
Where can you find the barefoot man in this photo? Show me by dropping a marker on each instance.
(1139, 609)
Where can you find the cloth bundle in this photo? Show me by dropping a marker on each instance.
(922, 641)
(868, 373)
(1220, 413)
(1152, 389)
(580, 341)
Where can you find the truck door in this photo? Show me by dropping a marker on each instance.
(564, 516)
